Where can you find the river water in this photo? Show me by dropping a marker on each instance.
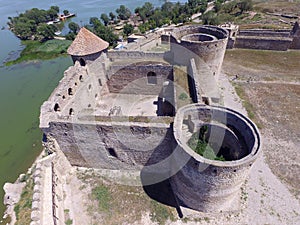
(24, 87)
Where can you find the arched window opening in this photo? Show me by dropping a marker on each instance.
(70, 91)
(56, 107)
(90, 86)
(71, 112)
(81, 78)
(100, 82)
(82, 62)
(152, 78)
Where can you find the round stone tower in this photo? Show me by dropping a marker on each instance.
(203, 183)
(205, 44)
(86, 47)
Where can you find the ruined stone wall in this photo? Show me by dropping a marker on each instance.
(263, 43)
(112, 145)
(134, 79)
(210, 185)
(135, 55)
(80, 87)
(150, 41)
(295, 33)
(194, 86)
(264, 33)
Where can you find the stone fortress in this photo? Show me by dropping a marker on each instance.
(123, 110)
(264, 39)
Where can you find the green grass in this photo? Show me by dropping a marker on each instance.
(122, 204)
(23, 207)
(35, 50)
(102, 194)
(69, 222)
(160, 213)
(247, 105)
(200, 146)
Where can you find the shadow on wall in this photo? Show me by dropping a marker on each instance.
(155, 176)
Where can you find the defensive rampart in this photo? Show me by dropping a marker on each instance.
(210, 185)
(203, 43)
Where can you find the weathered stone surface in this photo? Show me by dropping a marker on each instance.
(12, 192)
(210, 185)
(80, 118)
(35, 205)
(35, 215)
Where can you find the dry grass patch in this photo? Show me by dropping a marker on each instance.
(181, 86)
(121, 204)
(263, 65)
(277, 6)
(23, 207)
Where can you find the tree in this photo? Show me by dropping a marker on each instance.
(210, 18)
(229, 7)
(245, 5)
(53, 12)
(94, 21)
(25, 30)
(46, 32)
(218, 6)
(104, 18)
(143, 27)
(70, 36)
(123, 12)
(128, 29)
(148, 9)
(66, 12)
(39, 16)
(112, 16)
(55, 8)
(74, 27)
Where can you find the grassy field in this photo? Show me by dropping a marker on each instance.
(263, 65)
(268, 84)
(34, 50)
(120, 204)
(279, 6)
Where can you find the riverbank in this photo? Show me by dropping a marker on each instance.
(35, 50)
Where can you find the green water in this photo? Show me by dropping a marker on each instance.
(23, 88)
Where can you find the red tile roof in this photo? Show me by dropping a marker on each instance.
(86, 43)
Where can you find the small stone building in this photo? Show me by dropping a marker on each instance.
(87, 47)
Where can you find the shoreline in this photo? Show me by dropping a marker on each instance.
(34, 50)
(13, 191)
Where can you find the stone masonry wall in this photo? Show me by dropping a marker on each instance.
(264, 33)
(108, 146)
(210, 185)
(279, 44)
(133, 79)
(210, 52)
